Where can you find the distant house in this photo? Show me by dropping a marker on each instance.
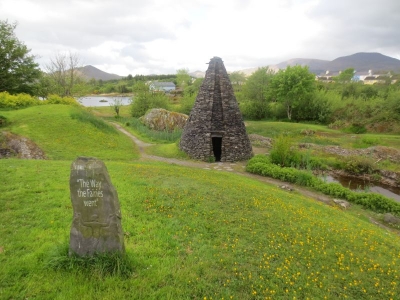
(324, 78)
(162, 86)
(374, 79)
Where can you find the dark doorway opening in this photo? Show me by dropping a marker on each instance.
(217, 146)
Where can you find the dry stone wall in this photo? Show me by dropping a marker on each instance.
(215, 128)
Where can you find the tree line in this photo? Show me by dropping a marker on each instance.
(294, 94)
(291, 94)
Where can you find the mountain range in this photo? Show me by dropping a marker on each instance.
(90, 72)
(362, 62)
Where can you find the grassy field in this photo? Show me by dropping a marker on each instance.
(322, 134)
(190, 233)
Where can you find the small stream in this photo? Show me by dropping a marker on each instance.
(357, 184)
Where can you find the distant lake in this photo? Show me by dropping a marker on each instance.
(103, 100)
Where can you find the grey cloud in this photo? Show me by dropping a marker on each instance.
(358, 25)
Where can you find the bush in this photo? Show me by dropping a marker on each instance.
(261, 165)
(187, 103)
(358, 165)
(55, 99)
(143, 101)
(254, 110)
(18, 101)
(356, 128)
(3, 121)
(282, 153)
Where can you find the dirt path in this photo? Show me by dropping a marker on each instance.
(237, 168)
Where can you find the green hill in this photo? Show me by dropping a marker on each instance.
(191, 235)
(65, 132)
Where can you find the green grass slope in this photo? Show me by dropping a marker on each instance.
(65, 132)
(192, 235)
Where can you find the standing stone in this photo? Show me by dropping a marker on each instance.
(96, 225)
(215, 128)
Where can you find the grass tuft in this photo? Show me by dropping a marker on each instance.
(100, 264)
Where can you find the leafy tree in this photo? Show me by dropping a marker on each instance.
(187, 103)
(368, 92)
(140, 86)
(183, 79)
(194, 87)
(345, 76)
(292, 87)
(116, 105)
(256, 94)
(44, 86)
(237, 79)
(189, 96)
(18, 70)
(144, 101)
(350, 89)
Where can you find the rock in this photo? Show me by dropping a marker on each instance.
(342, 203)
(161, 119)
(21, 147)
(286, 187)
(96, 225)
(389, 218)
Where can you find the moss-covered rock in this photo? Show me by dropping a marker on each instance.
(162, 119)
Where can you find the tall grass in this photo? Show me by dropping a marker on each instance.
(87, 117)
(152, 135)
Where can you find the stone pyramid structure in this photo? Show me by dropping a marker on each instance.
(215, 128)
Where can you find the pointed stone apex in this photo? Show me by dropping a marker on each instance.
(215, 129)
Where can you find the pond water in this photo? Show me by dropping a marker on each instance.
(103, 100)
(362, 186)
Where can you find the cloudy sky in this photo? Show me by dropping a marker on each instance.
(160, 36)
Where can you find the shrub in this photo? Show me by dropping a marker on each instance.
(283, 154)
(261, 165)
(254, 110)
(356, 128)
(55, 99)
(187, 103)
(144, 101)
(18, 101)
(358, 165)
(3, 121)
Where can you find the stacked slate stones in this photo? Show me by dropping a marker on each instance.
(215, 129)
